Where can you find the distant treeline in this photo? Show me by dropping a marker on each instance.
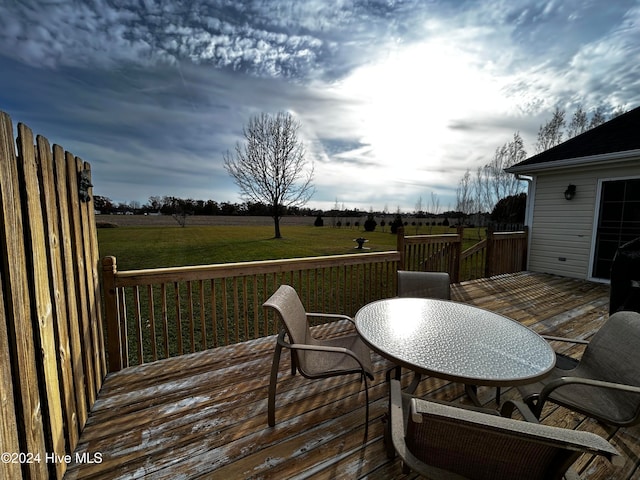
(508, 210)
(180, 206)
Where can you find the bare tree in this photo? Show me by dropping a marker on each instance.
(464, 199)
(504, 184)
(419, 210)
(434, 208)
(550, 134)
(578, 124)
(270, 167)
(491, 182)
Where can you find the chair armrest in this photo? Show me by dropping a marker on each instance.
(322, 348)
(336, 316)
(563, 381)
(563, 339)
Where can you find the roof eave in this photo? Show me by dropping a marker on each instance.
(576, 162)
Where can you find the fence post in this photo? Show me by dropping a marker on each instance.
(400, 246)
(525, 248)
(456, 264)
(490, 253)
(114, 348)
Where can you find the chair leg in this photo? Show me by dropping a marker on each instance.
(417, 378)
(397, 371)
(472, 393)
(273, 380)
(294, 363)
(366, 397)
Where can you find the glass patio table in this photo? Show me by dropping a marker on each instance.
(454, 341)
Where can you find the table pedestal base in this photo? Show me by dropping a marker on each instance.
(470, 390)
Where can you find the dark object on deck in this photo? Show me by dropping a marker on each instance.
(625, 278)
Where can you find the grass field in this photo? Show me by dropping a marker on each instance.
(152, 242)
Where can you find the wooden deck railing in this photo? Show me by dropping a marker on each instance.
(499, 252)
(52, 360)
(159, 313)
(506, 252)
(436, 253)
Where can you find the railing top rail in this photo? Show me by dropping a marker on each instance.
(205, 272)
(519, 234)
(444, 238)
(475, 248)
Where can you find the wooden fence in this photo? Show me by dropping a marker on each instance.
(51, 358)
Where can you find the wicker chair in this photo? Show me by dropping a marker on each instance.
(440, 441)
(605, 383)
(424, 284)
(314, 358)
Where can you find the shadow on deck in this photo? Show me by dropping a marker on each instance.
(204, 414)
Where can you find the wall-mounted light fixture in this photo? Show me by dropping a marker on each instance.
(570, 192)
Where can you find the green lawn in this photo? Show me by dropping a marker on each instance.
(162, 246)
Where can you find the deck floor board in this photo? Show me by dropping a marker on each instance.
(203, 415)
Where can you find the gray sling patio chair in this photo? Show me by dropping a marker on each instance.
(442, 441)
(424, 284)
(605, 383)
(314, 358)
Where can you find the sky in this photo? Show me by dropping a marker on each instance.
(396, 99)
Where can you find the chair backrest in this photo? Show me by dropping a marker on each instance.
(481, 446)
(287, 303)
(424, 284)
(613, 355)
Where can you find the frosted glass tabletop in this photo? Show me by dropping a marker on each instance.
(454, 341)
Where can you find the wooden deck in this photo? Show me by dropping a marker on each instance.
(204, 415)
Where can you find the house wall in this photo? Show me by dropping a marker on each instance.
(562, 230)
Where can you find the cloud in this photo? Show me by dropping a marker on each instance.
(396, 98)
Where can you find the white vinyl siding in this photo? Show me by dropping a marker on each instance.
(562, 230)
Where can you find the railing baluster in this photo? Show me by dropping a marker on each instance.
(203, 322)
(267, 330)
(245, 304)
(176, 287)
(256, 321)
(236, 310)
(165, 318)
(214, 313)
(225, 311)
(138, 323)
(124, 327)
(152, 323)
(192, 336)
